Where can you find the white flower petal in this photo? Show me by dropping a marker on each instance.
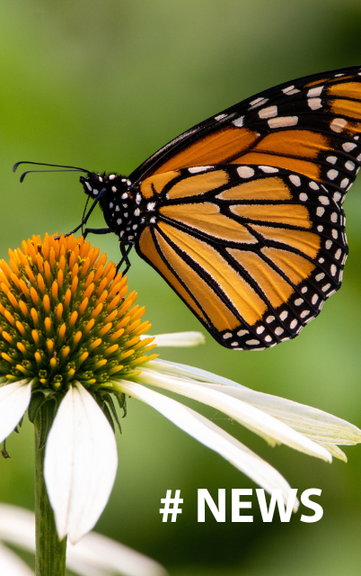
(319, 426)
(210, 435)
(80, 463)
(179, 339)
(95, 555)
(256, 420)
(190, 372)
(335, 451)
(14, 400)
(17, 526)
(11, 564)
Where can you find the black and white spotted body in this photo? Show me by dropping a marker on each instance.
(124, 209)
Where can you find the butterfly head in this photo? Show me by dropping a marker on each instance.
(94, 184)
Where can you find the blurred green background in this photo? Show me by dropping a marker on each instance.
(104, 84)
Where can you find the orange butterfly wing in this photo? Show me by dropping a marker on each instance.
(247, 226)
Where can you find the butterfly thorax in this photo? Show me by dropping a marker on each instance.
(120, 202)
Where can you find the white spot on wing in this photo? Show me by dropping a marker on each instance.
(258, 102)
(315, 103)
(238, 122)
(314, 185)
(331, 159)
(253, 342)
(332, 174)
(196, 169)
(268, 169)
(316, 91)
(269, 112)
(349, 146)
(241, 333)
(338, 124)
(282, 121)
(324, 200)
(290, 90)
(304, 313)
(245, 171)
(349, 165)
(296, 180)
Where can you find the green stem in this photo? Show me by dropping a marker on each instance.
(50, 556)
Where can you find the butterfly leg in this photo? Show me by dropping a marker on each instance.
(96, 231)
(85, 218)
(124, 249)
(72, 231)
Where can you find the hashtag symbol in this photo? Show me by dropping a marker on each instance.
(171, 506)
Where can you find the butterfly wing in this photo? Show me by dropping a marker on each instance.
(247, 226)
(310, 126)
(254, 251)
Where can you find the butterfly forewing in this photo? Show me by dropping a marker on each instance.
(310, 126)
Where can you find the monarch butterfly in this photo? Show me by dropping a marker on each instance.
(242, 214)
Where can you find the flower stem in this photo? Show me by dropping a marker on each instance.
(50, 553)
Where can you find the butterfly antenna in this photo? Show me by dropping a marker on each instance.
(61, 168)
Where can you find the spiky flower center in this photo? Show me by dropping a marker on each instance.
(65, 317)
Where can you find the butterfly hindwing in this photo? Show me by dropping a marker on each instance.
(253, 250)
